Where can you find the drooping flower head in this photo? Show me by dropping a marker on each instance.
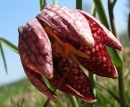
(61, 39)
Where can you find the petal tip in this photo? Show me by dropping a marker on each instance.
(115, 76)
(50, 76)
(121, 49)
(89, 43)
(93, 101)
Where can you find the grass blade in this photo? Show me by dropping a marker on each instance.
(103, 97)
(9, 44)
(73, 101)
(3, 57)
(79, 4)
(110, 92)
(55, 2)
(42, 2)
(101, 12)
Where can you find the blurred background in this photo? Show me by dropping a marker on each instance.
(14, 13)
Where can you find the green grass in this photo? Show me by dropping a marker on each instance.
(8, 92)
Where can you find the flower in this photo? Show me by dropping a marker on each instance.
(61, 39)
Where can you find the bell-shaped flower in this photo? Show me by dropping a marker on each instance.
(61, 39)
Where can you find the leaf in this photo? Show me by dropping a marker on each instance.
(3, 57)
(73, 101)
(79, 4)
(55, 2)
(101, 13)
(110, 92)
(9, 44)
(42, 2)
(114, 54)
(101, 97)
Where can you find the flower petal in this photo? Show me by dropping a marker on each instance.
(101, 32)
(76, 82)
(99, 62)
(37, 81)
(35, 48)
(68, 22)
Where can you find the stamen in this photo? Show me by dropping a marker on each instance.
(65, 48)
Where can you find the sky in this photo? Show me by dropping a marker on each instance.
(14, 13)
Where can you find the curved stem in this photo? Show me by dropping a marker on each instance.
(111, 15)
(120, 69)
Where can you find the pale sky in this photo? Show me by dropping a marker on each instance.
(15, 13)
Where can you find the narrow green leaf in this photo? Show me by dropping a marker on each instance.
(42, 2)
(101, 12)
(79, 4)
(50, 86)
(115, 57)
(55, 2)
(103, 18)
(3, 57)
(93, 10)
(73, 101)
(9, 44)
(103, 97)
(59, 103)
(110, 92)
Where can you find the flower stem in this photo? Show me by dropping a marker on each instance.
(79, 4)
(55, 2)
(42, 2)
(121, 87)
(119, 69)
(101, 12)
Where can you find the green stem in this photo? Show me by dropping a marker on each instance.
(111, 15)
(42, 2)
(118, 62)
(101, 12)
(73, 101)
(121, 87)
(92, 79)
(120, 69)
(55, 2)
(3, 57)
(79, 4)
